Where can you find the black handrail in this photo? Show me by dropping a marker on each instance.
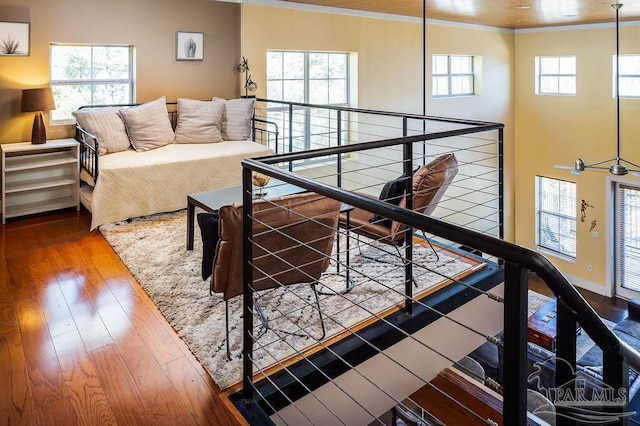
(381, 112)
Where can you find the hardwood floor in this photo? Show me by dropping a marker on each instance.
(82, 343)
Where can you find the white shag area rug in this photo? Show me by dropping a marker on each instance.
(154, 250)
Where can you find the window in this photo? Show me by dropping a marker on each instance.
(308, 77)
(556, 215)
(627, 243)
(555, 75)
(90, 75)
(629, 76)
(452, 75)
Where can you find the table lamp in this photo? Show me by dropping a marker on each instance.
(38, 100)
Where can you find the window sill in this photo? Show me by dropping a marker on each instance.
(68, 122)
(555, 254)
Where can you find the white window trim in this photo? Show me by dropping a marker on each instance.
(449, 75)
(306, 80)
(614, 80)
(542, 249)
(610, 230)
(538, 76)
(131, 80)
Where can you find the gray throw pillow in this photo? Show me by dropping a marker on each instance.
(199, 121)
(148, 125)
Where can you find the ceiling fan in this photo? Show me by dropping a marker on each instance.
(619, 167)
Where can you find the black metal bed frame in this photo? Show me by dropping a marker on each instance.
(265, 131)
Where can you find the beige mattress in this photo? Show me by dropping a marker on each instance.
(132, 184)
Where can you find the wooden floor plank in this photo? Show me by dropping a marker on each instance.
(57, 413)
(80, 251)
(156, 388)
(45, 376)
(188, 354)
(127, 403)
(148, 320)
(8, 319)
(203, 404)
(55, 309)
(84, 312)
(104, 258)
(86, 394)
(16, 403)
(19, 278)
(115, 319)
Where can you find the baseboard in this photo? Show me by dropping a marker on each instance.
(591, 286)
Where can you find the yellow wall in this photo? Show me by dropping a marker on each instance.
(149, 25)
(390, 63)
(558, 129)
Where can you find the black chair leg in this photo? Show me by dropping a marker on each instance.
(264, 321)
(226, 323)
(400, 256)
(375, 259)
(413, 280)
(431, 245)
(315, 292)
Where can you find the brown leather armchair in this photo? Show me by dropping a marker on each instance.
(293, 239)
(429, 184)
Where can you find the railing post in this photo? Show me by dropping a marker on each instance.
(253, 128)
(290, 134)
(501, 183)
(615, 375)
(247, 279)
(514, 405)
(407, 151)
(339, 138)
(566, 353)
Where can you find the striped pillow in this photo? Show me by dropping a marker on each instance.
(106, 125)
(236, 121)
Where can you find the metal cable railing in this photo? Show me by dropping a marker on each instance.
(289, 374)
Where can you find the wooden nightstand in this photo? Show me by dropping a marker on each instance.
(39, 178)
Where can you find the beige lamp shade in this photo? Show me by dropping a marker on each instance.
(37, 100)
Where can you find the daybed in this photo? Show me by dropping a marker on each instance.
(138, 160)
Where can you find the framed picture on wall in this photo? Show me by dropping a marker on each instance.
(189, 46)
(14, 39)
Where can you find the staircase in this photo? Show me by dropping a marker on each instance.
(455, 398)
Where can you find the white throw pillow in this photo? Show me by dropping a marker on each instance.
(236, 121)
(106, 125)
(148, 125)
(199, 121)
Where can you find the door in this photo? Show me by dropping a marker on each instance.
(627, 240)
